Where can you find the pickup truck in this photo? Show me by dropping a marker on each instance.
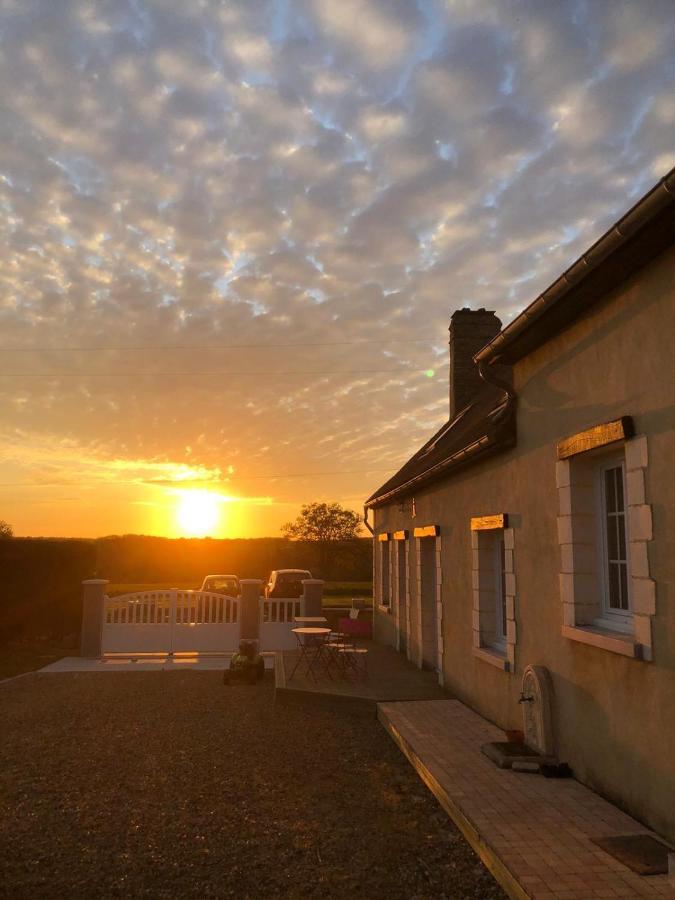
(221, 584)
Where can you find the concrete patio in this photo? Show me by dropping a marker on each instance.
(390, 677)
(147, 662)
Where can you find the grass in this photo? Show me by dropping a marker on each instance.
(17, 657)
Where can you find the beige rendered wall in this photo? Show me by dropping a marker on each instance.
(614, 716)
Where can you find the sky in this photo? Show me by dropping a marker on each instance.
(233, 233)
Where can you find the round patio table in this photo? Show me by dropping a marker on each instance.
(311, 642)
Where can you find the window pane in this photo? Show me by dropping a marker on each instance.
(623, 569)
(612, 538)
(610, 499)
(621, 528)
(614, 586)
(619, 489)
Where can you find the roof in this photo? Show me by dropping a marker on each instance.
(482, 427)
(642, 233)
(487, 425)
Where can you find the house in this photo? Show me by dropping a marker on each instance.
(536, 527)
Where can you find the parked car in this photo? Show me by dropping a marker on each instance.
(286, 582)
(221, 584)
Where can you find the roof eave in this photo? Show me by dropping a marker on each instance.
(510, 344)
(478, 449)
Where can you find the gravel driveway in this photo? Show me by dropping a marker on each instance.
(169, 784)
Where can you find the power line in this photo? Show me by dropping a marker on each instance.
(214, 347)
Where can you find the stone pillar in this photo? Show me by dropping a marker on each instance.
(312, 597)
(249, 609)
(93, 594)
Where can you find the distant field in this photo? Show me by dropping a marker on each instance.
(337, 593)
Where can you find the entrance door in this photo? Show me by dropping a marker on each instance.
(428, 608)
(402, 595)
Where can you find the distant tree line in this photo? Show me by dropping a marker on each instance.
(40, 578)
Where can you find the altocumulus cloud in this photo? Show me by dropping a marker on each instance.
(181, 175)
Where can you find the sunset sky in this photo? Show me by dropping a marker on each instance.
(233, 233)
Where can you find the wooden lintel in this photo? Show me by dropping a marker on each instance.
(385, 536)
(598, 436)
(400, 535)
(485, 523)
(427, 531)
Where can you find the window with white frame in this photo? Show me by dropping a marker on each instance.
(493, 591)
(613, 544)
(604, 527)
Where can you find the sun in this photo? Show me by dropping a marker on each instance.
(198, 513)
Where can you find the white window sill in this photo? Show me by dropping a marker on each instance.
(493, 657)
(383, 609)
(604, 639)
(620, 625)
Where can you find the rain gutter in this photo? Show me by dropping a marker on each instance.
(482, 444)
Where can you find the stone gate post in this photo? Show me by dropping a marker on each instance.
(93, 594)
(312, 597)
(249, 609)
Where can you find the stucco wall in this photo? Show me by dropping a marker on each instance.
(384, 631)
(614, 716)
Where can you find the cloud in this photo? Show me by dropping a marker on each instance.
(253, 219)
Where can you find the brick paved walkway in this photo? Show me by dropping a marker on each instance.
(532, 832)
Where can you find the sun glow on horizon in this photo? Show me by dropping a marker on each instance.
(198, 513)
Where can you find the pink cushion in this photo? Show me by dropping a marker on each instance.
(357, 627)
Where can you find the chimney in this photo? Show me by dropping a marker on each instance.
(470, 329)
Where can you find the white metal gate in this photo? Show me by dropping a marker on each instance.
(276, 623)
(170, 622)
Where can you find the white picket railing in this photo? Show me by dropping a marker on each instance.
(192, 621)
(276, 622)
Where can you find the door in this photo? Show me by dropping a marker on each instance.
(402, 594)
(428, 603)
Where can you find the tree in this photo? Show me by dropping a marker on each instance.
(323, 522)
(332, 528)
(6, 530)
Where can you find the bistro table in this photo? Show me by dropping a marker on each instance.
(311, 642)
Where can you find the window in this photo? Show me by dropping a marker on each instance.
(613, 550)
(604, 527)
(494, 630)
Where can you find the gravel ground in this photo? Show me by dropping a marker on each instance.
(169, 784)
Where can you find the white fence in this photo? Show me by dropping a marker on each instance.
(276, 622)
(170, 621)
